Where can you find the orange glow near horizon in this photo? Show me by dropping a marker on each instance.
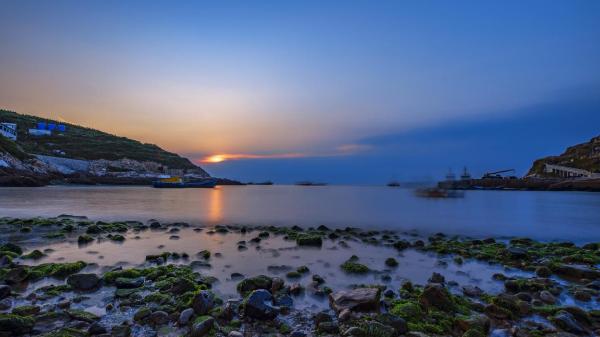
(218, 158)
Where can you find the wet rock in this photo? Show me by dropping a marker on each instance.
(15, 325)
(318, 279)
(344, 315)
(237, 276)
(354, 332)
(296, 289)
(182, 285)
(16, 275)
(185, 316)
(435, 295)
(583, 296)
(203, 302)
(437, 278)
(322, 316)
(254, 283)
(567, 322)
(81, 315)
(389, 293)
(258, 305)
(5, 304)
(543, 271)
(83, 281)
(200, 264)
(547, 297)
(27, 310)
(142, 314)
(159, 318)
(398, 324)
(235, 334)
(277, 284)
(359, 299)
(472, 291)
(96, 329)
(497, 312)
(5, 291)
(129, 283)
(516, 253)
(309, 240)
(328, 327)
(577, 272)
(123, 330)
(523, 296)
(284, 301)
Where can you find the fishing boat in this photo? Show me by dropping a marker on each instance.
(178, 182)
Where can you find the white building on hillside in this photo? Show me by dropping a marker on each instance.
(8, 130)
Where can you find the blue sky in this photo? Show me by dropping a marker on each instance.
(345, 92)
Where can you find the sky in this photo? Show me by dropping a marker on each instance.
(347, 92)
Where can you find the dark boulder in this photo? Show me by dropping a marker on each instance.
(83, 281)
(203, 302)
(258, 305)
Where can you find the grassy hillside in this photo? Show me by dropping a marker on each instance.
(84, 143)
(583, 156)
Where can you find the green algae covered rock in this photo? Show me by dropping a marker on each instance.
(254, 283)
(309, 240)
(16, 324)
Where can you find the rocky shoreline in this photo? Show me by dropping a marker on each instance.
(554, 290)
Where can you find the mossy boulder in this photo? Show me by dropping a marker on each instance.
(352, 267)
(254, 283)
(11, 324)
(309, 240)
(11, 247)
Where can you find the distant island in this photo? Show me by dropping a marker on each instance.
(36, 151)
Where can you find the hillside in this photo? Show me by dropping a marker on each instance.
(87, 144)
(584, 156)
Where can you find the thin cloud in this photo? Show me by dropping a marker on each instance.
(342, 150)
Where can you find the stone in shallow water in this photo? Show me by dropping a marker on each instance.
(567, 322)
(258, 305)
(359, 299)
(83, 281)
(577, 272)
(4, 291)
(203, 302)
(202, 326)
(185, 316)
(472, 291)
(128, 283)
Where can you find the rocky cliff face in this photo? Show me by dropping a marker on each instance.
(585, 156)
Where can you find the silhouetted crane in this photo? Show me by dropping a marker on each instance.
(498, 174)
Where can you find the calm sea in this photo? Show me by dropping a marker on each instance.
(541, 215)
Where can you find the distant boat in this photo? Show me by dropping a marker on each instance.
(393, 184)
(177, 182)
(438, 193)
(309, 183)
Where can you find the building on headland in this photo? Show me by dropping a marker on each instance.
(9, 130)
(45, 129)
(568, 172)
